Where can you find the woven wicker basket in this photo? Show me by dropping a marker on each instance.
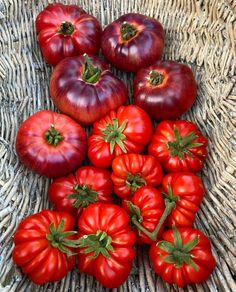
(200, 33)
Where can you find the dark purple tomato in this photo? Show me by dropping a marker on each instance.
(133, 41)
(165, 90)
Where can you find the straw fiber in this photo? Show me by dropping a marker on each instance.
(199, 33)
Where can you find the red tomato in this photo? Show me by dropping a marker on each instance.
(179, 146)
(74, 192)
(106, 244)
(83, 88)
(45, 246)
(51, 144)
(183, 256)
(65, 31)
(132, 171)
(186, 191)
(129, 129)
(145, 209)
(166, 90)
(133, 41)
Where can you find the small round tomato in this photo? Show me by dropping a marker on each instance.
(179, 146)
(165, 90)
(74, 192)
(83, 88)
(65, 31)
(185, 190)
(51, 144)
(133, 41)
(106, 244)
(145, 209)
(129, 129)
(132, 171)
(45, 246)
(182, 257)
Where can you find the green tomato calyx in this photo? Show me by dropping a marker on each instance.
(52, 136)
(83, 196)
(128, 31)
(66, 28)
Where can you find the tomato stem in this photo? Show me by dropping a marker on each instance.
(91, 74)
(127, 31)
(83, 196)
(66, 28)
(52, 136)
(135, 181)
(156, 78)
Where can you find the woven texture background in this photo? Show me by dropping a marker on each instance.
(199, 33)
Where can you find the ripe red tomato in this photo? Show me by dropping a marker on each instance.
(182, 257)
(133, 41)
(132, 171)
(145, 209)
(186, 191)
(129, 129)
(74, 192)
(51, 144)
(45, 246)
(179, 146)
(83, 88)
(106, 244)
(166, 90)
(65, 31)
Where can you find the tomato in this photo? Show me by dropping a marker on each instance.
(83, 88)
(186, 191)
(166, 90)
(145, 209)
(65, 31)
(51, 144)
(132, 171)
(179, 146)
(129, 129)
(133, 41)
(45, 246)
(74, 192)
(106, 244)
(183, 256)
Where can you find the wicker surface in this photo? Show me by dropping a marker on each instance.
(200, 33)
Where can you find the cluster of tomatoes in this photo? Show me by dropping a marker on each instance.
(152, 172)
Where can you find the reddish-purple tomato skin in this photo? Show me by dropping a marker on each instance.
(86, 102)
(170, 99)
(56, 45)
(141, 50)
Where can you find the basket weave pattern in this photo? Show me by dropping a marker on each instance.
(199, 33)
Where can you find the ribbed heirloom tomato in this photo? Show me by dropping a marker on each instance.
(51, 144)
(132, 171)
(165, 90)
(129, 129)
(45, 246)
(133, 41)
(183, 256)
(84, 88)
(65, 31)
(179, 146)
(89, 184)
(106, 244)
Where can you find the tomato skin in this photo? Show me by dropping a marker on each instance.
(151, 205)
(49, 160)
(111, 272)
(138, 132)
(56, 45)
(186, 274)
(146, 166)
(86, 102)
(172, 97)
(193, 161)
(141, 50)
(189, 189)
(34, 254)
(98, 180)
